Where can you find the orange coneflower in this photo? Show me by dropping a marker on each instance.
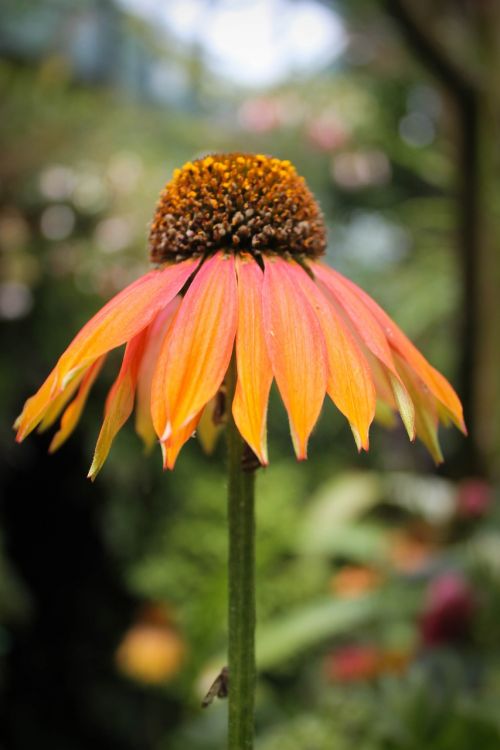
(236, 239)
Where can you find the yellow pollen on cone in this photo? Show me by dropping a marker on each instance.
(236, 202)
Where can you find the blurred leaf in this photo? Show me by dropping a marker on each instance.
(291, 635)
(305, 628)
(358, 542)
(336, 505)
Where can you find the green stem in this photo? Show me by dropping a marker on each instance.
(241, 621)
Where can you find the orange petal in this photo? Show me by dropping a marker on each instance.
(120, 401)
(253, 365)
(72, 415)
(437, 383)
(426, 417)
(392, 392)
(296, 348)
(58, 404)
(196, 353)
(350, 383)
(382, 382)
(117, 322)
(156, 336)
(125, 315)
(363, 321)
(172, 447)
(36, 407)
(371, 334)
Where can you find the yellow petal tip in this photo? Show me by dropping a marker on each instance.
(93, 471)
(166, 433)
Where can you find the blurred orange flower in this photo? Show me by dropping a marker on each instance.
(355, 580)
(411, 551)
(151, 651)
(363, 662)
(236, 239)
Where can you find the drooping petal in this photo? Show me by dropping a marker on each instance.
(156, 335)
(172, 447)
(197, 350)
(36, 407)
(392, 393)
(118, 321)
(211, 423)
(400, 343)
(58, 404)
(426, 415)
(382, 383)
(365, 324)
(371, 334)
(296, 348)
(120, 401)
(350, 383)
(432, 378)
(73, 412)
(405, 404)
(126, 314)
(252, 360)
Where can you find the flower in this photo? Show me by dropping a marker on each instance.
(355, 663)
(449, 610)
(355, 580)
(236, 240)
(474, 498)
(151, 651)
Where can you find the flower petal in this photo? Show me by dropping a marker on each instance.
(117, 322)
(211, 423)
(391, 391)
(120, 401)
(196, 353)
(371, 334)
(73, 412)
(426, 416)
(399, 342)
(36, 407)
(252, 360)
(156, 336)
(405, 404)
(363, 321)
(172, 447)
(125, 315)
(296, 348)
(58, 404)
(350, 383)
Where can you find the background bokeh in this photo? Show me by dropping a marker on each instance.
(378, 575)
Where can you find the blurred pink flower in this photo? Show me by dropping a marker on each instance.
(260, 115)
(474, 498)
(354, 663)
(327, 133)
(449, 609)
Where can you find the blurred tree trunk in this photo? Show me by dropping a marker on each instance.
(479, 377)
(488, 399)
